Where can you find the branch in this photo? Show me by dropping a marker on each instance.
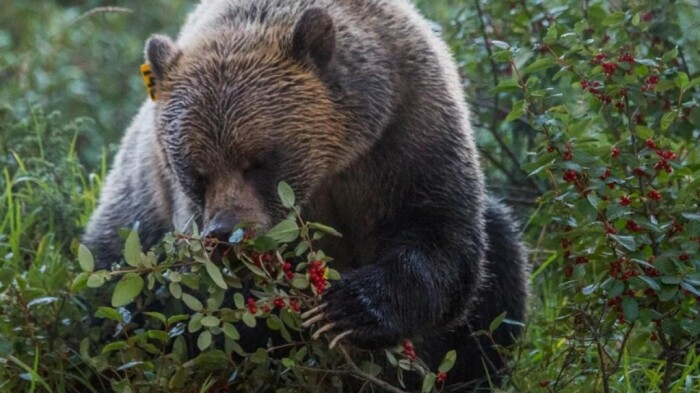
(363, 375)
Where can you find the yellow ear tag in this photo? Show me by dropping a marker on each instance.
(149, 81)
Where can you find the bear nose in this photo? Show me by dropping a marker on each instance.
(220, 227)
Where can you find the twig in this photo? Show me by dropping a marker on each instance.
(368, 377)
(103, 10)
(496, 99)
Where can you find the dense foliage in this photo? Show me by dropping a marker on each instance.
(587, 116)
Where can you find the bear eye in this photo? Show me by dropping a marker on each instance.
(258, 164)
(197, 188)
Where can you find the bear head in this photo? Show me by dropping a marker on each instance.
(244, 108)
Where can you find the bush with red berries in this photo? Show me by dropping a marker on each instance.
(604, 98)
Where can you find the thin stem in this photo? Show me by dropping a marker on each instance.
(356, 371)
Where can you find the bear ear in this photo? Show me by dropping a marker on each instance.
(314, 38)
(161, 54)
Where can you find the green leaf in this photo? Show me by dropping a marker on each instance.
(285, 232)
(333, 275)
(215, 274)
(682, 80)
(500, 44)
(175, 290)
(644, 132)
(204, 340)
(690, 288)
(670, 55)
(127, 289)
(109, 313)
(552, 35)
(249, 319)
(210, 321)
(238, 300)
(506, 85)
(95, 280)
(85, 259)
(85, 348)
(178, 380)
(79, 282)
(497, 322)
(300, 281)
(636, 19)
(156, 315)
(517, 111)
(667, 119)
(650, 282)
(132, 250)
(259, 356)
(288, 363)
(195, 323)
(630, 308)
(691, 216)
(429, 382)
(540, 64)
(286, 195)
(580, 26)
(177, 318)
(448, 361)
(625, 241)
(230, 331)
(324, 229)
(192, 302)
(692, 83)
(614, 18)
(301, 248)
(114, 346)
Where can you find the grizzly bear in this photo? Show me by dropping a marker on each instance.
(358, 105)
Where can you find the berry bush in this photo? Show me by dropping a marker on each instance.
(587, 118)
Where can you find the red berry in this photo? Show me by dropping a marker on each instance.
(633, 226)
(606, 174)
(626, 58)
(625, 200)
(609, 229)
(581, 260)
(609, 68)
(650, 143)
(570, 175)
(441, 377)
(683, 257)
(550, 149)
(569, 271)
(408, 350)
(252, 307)
(655, 195)
(615, 152)
(598, 59)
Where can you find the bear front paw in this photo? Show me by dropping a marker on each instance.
(356, 310)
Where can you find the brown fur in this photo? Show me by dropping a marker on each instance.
(357, 104)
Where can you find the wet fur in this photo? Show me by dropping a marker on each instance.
(373, 134)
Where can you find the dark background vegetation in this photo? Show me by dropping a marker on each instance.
(70, 84)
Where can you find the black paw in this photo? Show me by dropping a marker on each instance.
(357, 309)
